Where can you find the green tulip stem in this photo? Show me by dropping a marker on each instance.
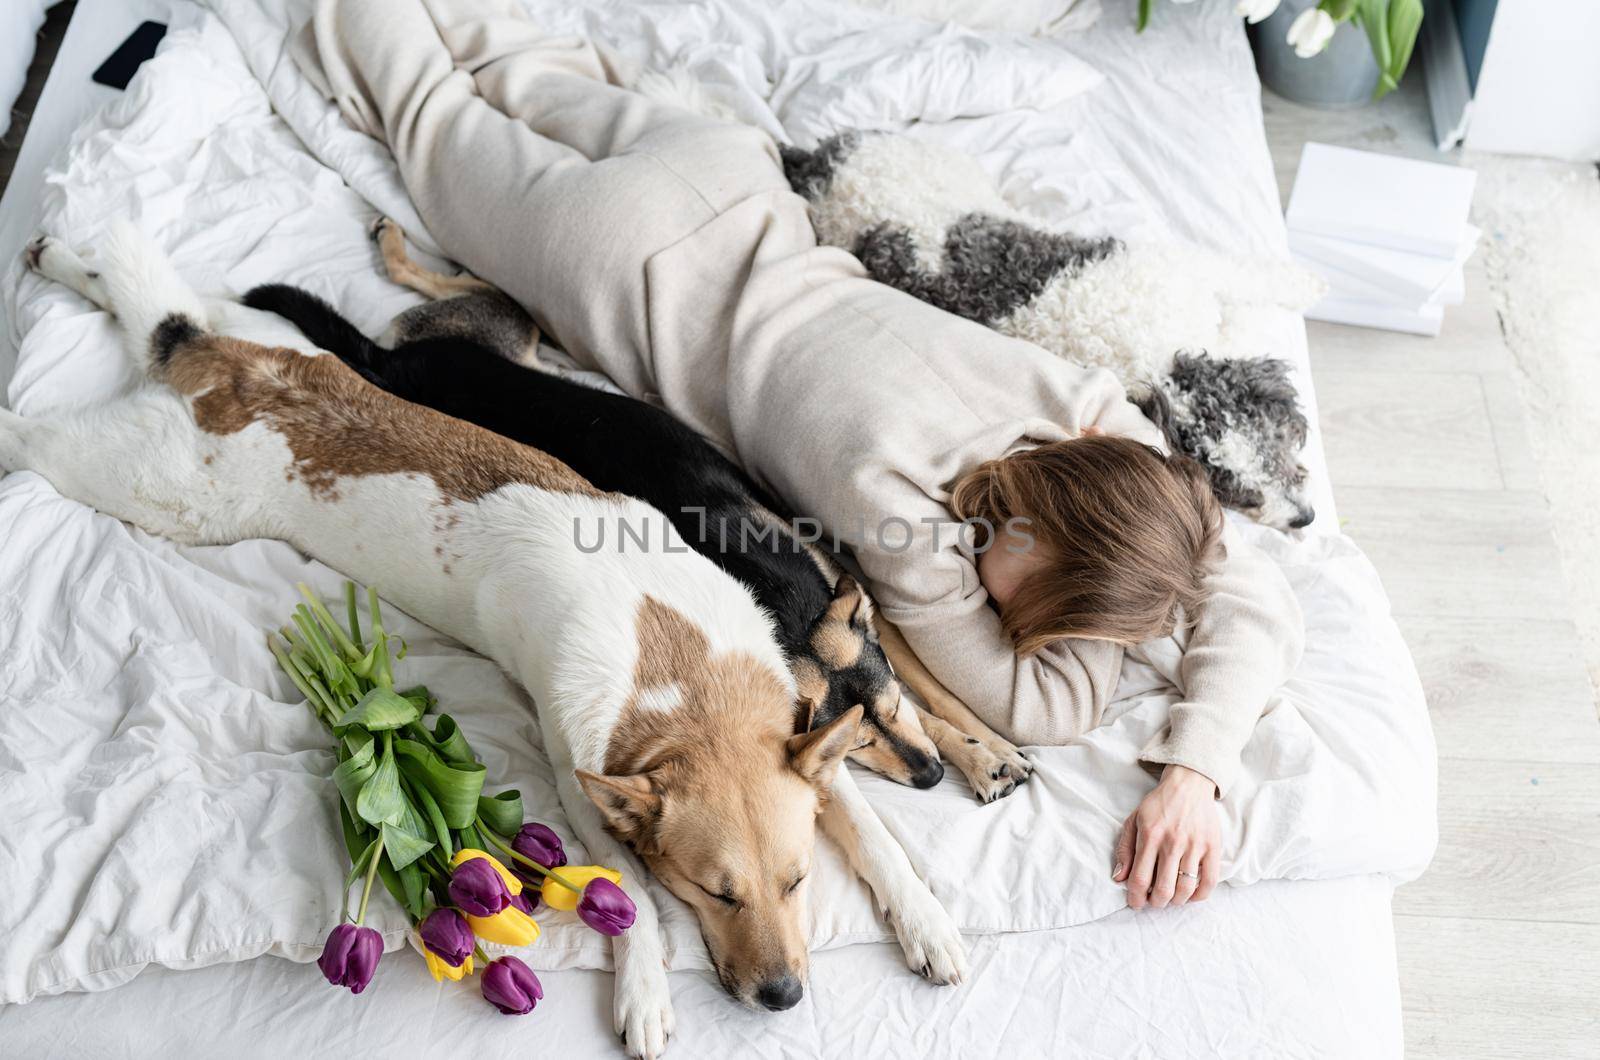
(305, 682)
(382, 675)
(294, 676)
(355, 619)
(372, 874)
(496, 840)
(323, 616)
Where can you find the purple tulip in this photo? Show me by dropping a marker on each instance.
(538, 843)
(606, 907)
(350, 956)
(526, 900)
(510, 986)
(477, 889)
(446, 934)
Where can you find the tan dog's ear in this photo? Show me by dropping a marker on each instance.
(849, 602)
(628, 804)
(805, 709)
(816, 755)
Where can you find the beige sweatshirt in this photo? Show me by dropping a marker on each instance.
(902, 424)
(666, 249)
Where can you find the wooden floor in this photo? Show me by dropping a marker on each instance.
(1499, 943)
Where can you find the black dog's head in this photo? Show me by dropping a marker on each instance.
(843, 666)
(1241, 420)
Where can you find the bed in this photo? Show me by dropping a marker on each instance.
(111, 641)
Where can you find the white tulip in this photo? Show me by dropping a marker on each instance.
(1255, 10)
(1311, 31)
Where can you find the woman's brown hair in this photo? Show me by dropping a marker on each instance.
(1127, 533)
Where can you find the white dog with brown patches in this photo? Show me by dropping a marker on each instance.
(665, 703)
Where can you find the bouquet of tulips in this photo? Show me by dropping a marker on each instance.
(463, 864)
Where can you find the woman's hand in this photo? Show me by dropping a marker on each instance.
(1170, 845)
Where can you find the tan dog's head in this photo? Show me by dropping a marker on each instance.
(707, 785)
(843, 666)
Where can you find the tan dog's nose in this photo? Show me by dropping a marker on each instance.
(782, 993)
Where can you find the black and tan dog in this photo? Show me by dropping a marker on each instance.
(472, 353)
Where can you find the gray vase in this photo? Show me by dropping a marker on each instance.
(1343, 76)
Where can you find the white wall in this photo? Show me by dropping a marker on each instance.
(1538, 92)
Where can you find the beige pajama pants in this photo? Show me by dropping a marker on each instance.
(534, 169)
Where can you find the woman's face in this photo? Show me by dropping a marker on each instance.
(1002, 571)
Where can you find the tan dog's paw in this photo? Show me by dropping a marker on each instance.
(932, 943)
(643, 1007)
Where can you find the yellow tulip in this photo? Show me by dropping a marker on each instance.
(442, 971)
(509, 927)
(558, 897)
(513, 884)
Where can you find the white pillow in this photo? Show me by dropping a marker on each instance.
(19, 32)
(1017, 16)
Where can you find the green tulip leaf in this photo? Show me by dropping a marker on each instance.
(449, 741)
(469, 838)
(415, 884)
(380, 710)
(502, 812)
(356, 837)
(407, 885)
(359, 865)
(1144, 15)
(380, 800)
(1405, 20)
(1373, 16)
(455, 786)
(423, 799)
(421, 697)
(408, 839)
(354, 772)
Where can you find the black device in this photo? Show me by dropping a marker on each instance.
(118, 70)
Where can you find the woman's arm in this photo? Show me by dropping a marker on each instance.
(1246, 641)
(1045, 698)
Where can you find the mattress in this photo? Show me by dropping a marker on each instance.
(1169, 144)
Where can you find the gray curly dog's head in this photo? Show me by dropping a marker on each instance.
(1241, 420)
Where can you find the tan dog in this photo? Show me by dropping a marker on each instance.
(660, 688)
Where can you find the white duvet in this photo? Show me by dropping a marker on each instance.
(165, 796)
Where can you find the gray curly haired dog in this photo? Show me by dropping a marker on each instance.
(929, 221)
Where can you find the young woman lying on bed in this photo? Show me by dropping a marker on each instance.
(666, 250)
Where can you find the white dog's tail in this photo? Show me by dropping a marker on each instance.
(156, 308)
(680, 88)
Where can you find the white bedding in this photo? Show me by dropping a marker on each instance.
(134, 691)
(1278, 970)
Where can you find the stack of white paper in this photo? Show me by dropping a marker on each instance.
(1390, 235)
